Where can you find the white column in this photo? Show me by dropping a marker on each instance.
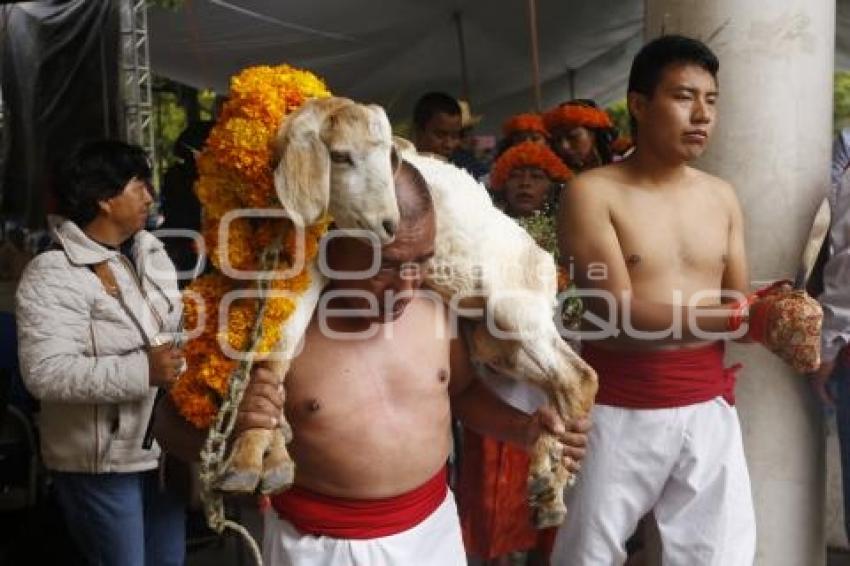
(773, 144)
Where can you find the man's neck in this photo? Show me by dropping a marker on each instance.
(656, 170)
(105, 233)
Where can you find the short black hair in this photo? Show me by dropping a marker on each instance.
(414, 200)
(96, 171)
(433, 103)
(650, 62)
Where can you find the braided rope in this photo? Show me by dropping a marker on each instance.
(213, 453)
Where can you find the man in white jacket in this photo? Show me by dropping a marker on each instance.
(93, 313)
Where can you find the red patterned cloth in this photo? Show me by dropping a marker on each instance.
(492, 500)
(788, 322)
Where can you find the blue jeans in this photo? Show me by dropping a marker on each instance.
(841, 390)
(123, 519)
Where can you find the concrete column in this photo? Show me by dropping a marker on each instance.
(773, 144)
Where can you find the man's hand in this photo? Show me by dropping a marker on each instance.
(165, 365)
(573, 437)
(262, 404)
(820, 378)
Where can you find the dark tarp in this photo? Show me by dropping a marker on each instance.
(60, 84)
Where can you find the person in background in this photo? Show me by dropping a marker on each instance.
(581, 134)
(437, 124)
(180, 205)
(492, 490)
(525, 127)
(834, 296)
(465, 155)
(92, 314)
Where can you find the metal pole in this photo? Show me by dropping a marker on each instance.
(535, 54)
(461, 45)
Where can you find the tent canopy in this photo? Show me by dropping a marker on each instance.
(392, 51)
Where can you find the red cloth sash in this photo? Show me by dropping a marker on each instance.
(661, 379)
(324, 515)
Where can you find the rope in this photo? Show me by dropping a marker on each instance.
(213, 453)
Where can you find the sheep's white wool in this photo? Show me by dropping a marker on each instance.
(481, 250)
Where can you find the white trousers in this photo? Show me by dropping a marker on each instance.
(436, 541)
(685, 464)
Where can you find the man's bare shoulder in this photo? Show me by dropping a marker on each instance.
(722, 188)
(596, 186)
(606, 176)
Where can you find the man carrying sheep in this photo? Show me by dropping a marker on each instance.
(369, 399)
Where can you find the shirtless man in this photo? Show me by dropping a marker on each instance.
(369, 399)
(661, 239)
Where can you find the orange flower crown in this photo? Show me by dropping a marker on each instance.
(528, 154)
(524, 123)
(573, 115)
(234, 171)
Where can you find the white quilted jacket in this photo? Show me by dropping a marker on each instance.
(82, 350)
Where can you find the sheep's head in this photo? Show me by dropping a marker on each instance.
(337, 156)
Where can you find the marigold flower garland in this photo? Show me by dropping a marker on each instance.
(524, 123)
(569, 115)
(528, 154)
(234, 171)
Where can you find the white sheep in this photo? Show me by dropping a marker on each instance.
(491, 271)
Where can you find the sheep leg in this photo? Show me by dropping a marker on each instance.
(278, 466)
(259, 456)
(547, 480)
(263, 459)
(244, 467)
(548, 476)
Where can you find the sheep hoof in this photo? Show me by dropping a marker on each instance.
(549, 517)
(277, 478)
(239, 481)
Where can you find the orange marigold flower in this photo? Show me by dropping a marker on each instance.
(524, 123)
(569, 115)
(528, 154)
(235, 171)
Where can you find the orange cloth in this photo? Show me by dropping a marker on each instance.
(492, 500)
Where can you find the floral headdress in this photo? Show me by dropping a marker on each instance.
(571, 115)
(234, 172)
(528, 154)
(524, 123)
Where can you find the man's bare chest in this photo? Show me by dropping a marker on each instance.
(682, 236)
(331, 378)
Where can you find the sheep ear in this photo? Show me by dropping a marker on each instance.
(302, 174)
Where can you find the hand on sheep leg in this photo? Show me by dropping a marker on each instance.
(278, 466)
(555, 457)
(258, 422)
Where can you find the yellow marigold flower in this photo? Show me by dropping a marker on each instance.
(235, 171)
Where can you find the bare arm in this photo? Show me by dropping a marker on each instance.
(175, 434)
(736, 276)
(482, 411)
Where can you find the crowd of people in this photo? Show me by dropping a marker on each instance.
(99, 314)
